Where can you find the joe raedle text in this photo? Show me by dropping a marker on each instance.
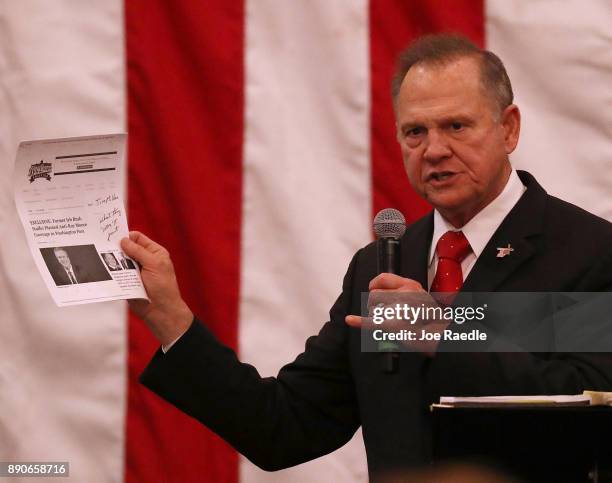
(380, 335)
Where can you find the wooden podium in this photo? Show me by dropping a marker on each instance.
(534, 443)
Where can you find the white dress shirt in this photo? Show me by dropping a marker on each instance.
(479, 229)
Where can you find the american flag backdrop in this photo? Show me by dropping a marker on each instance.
(261, 143)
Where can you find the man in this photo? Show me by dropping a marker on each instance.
(126, 263)
(456, 125)
(68, 273)
(111, 262)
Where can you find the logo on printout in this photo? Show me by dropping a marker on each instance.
(40, 170)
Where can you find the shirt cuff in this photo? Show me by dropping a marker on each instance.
(166, 348)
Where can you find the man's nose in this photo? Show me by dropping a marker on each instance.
(436, 148)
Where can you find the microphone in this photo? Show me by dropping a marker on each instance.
(389, 226)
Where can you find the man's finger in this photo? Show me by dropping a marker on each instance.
(386, 281)
(144, 241)
(353, 321)
(137, 252)
(360, 322)
(390, 281)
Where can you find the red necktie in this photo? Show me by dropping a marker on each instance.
(452, 248)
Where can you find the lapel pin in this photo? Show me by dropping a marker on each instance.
(504, 251)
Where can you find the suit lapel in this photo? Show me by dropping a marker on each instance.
(522, 230)
(490, 270)
(415, 249)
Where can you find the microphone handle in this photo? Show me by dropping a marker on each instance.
(388, 255)
(388, 262)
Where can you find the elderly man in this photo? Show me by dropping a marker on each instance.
(69, 273)
(111, 262)
(456, 125)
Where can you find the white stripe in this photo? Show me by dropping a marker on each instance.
(307, 200)
(62, 371)
(559, 58)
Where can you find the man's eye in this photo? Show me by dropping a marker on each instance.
(415, 131)
(456, 126)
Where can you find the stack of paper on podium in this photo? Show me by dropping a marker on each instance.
(587, 398)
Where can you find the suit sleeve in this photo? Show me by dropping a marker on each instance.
(511, 371)
(308, 410)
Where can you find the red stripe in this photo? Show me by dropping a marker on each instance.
(185, 120)
(393, 24)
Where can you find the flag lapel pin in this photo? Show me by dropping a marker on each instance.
(504, 251)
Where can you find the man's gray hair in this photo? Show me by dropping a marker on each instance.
(444, 48)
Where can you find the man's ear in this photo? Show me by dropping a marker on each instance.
(511, 124)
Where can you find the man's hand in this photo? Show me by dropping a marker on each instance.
(387, 282)
(389, 290)
(167, 315)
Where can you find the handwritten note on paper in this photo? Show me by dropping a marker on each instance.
(109, 220)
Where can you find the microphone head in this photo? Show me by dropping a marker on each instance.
(389, 223)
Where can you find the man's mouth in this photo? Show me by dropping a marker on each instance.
(440, 176)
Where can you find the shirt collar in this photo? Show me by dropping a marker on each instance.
(480, 229)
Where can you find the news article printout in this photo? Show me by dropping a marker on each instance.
(69, 198)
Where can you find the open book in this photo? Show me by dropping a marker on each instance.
(585, 399)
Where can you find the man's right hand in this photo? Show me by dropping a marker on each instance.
(167, 314)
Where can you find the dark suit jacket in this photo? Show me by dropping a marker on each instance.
(60, 277)
(317, 402)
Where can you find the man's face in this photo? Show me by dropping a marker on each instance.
(454, 143)
(110, 260)
(62, 257)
